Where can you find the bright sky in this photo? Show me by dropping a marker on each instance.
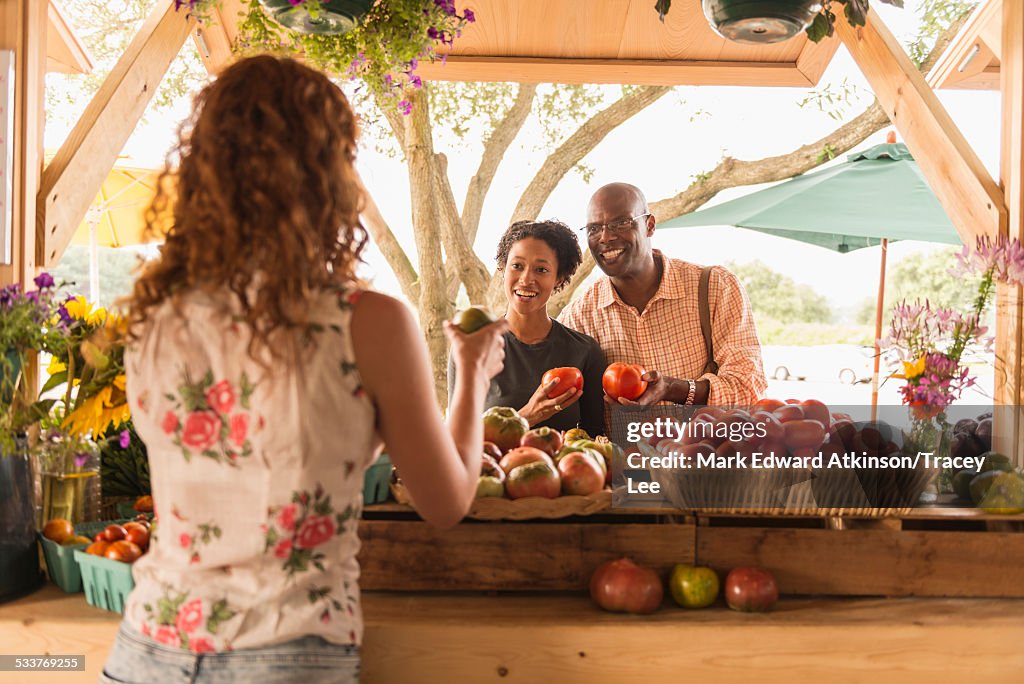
(660, 150)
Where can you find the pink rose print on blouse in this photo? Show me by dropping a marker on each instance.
(201, 430)
(315, 531)
(286, 518)
(296, 533)
(190, 616)
(202, 422)
(185, 540)
(283, 549)
(239, 429)
(201, 645)
(170, 423)
(221, 397)
(182, 622)
(168, 635)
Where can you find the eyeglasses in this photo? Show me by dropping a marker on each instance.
(617, 227)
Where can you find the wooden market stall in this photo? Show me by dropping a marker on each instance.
(421, 624)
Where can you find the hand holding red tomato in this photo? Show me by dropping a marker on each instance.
(542, 405)
(624, 381)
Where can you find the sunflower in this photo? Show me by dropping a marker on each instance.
(97, 413)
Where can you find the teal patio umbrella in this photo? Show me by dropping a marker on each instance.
(874, 197)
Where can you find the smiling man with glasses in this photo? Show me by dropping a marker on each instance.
(647, 311)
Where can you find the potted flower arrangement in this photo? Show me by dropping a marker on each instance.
(30, 322)
(380, 43)
(94, 413)
(930, 341)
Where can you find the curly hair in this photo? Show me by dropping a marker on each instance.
(558, 236)
(265, 199)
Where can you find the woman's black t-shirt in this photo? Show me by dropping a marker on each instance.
(525, 365)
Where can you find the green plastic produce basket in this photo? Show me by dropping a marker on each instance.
(377, 480)
(107, 583)
(60, 560)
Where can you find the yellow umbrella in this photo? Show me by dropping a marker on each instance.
(117, 216)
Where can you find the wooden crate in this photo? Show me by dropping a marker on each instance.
(410, 555)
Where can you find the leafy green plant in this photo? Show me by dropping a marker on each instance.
(383, 50)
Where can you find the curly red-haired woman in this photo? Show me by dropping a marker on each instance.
(263, 382)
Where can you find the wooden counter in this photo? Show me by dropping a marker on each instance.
(414, 638)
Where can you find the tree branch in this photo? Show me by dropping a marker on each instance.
(433, 306)
(461, 259)
(569, 154)
(578, 146)
(387, 243)
(494, 151)
(731, 173)
(497, 144)
(559, 300)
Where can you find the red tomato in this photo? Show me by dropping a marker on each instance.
(567, 377)
(804, 433)
(124, 551)
(816, 410)
(624, 380)
(137, 533)
(97, 548)
(521, 456)
(751, 590)
(113, 533)
(767, 404)
(789, 412)
(622, 586)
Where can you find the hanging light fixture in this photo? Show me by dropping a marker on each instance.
(760, 21)
(318, 17)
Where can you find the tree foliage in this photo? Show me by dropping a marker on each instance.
(778, 297)
(924, 275)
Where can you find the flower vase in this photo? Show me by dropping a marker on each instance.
(929, 435)
(19, 556)
(70, 482)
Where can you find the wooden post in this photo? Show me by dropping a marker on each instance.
(1008, 437)
(77, 171)
(970, 197)
(23, 30)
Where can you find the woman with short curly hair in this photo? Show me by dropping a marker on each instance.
(538, 258)
(263, 381)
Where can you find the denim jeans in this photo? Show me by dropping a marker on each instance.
(136, 659)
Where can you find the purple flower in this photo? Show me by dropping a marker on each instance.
(81, 458)
(65, 317)
(125, 439)
(413, 63)
(469, 16)
(43, 280)
(416, 81)
(432, 33)
(405, 107)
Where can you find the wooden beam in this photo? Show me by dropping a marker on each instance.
(950, 67)
(23, 30)
(214, 42)
(815, 58)
(634, 71)
(971, 199)
(77, 171)
(1008, 436)
(64, 53)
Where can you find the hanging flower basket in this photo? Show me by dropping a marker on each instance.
(760, 21)
(325, 17)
